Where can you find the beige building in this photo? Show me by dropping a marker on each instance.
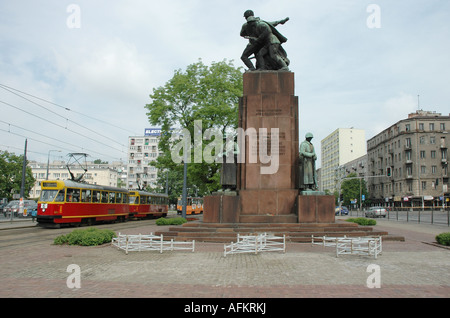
(408, 161)
(101, 174)
(340, 147)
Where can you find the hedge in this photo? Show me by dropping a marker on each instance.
(443, 238)
(171, 221)
(86, 237)
(362, 221)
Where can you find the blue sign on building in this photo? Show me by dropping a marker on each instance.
(152, 132)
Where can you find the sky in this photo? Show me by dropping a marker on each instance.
(75, 75)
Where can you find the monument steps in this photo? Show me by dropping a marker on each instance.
(295, 232)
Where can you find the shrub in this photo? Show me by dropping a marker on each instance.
(171, 221)
(443, 238)
(362, 221)
(86, 237)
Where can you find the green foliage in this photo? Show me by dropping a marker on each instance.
(171, 221)
(86, 237)
(351, 189)
(207, 93)
(443, 238)
(362, 221)
(11, 175)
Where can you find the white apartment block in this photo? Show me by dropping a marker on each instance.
(341, 146)
(142, 150)
(101, 174)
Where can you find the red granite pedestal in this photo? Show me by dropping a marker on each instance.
(267, 173)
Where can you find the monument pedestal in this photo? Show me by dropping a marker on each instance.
(267, 170)
(316, 208)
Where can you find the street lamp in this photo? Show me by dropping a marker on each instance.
(48, 161)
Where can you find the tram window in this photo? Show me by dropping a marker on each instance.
(125, 198)
(119, 197)
(86, 195)
(96, 196)
(104, 197)
(133, 200)
(48, 195)
(73, 195)
(112, 197)
(60, 196)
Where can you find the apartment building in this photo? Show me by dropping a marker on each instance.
(109, 174)
(408, 161)
(340, 147)
(142, 150)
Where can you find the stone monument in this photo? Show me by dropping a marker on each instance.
(268, 185)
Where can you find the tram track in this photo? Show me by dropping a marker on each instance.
(10, 238)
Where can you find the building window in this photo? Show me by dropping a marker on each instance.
(422, 154)
(433, 154)
(422, 140)
(421, 126)
(424, 185)
(431, 126)
(442, 125)
(432, 140)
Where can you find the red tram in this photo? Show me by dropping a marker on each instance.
(70, 202)
(145, 204)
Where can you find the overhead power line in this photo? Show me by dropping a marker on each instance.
(61, 126)
(9, 88)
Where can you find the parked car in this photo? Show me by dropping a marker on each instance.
(344, 210)
(375, 212)
(14, 208)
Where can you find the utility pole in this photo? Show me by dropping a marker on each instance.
(24, 170)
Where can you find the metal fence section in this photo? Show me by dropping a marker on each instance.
(140, 242)
(418, 215)
(369, 246)
(366, 245)
(255, 244)
(325, 240)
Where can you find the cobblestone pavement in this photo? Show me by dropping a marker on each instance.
(413, 268)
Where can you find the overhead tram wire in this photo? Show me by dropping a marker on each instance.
(67, 119)
(65, 108)
(52, 138)
(61, 126)
(56, 146)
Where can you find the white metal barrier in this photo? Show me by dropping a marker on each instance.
(325, 240)
(370, 246)
(366, 245)
(140, 242)
(256, 243)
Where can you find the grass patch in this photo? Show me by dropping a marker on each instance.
(362, 221)
(171, 221)
(86, 237)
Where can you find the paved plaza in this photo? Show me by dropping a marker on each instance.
(413, 268)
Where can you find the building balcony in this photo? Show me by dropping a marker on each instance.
(408, 162)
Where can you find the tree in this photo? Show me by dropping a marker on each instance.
(350, 188)
(207, 93)
(11, 175)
